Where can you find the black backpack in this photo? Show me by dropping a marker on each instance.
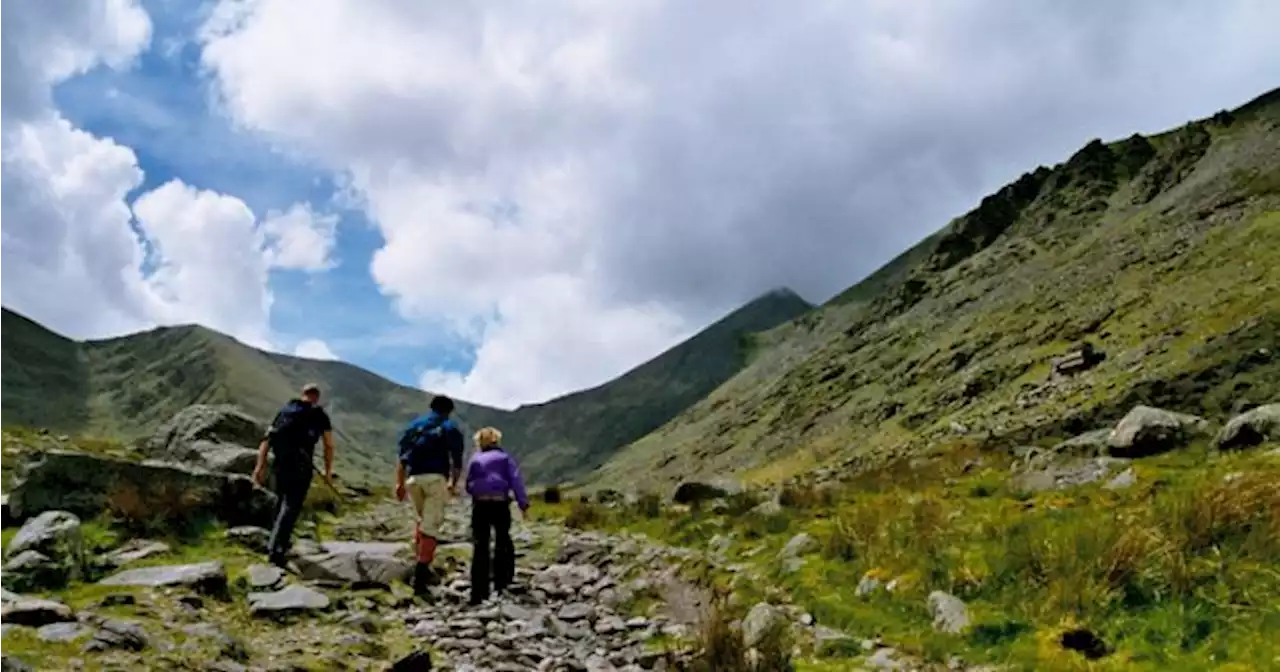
(293, 430)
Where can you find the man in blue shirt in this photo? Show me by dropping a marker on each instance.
(428, 468)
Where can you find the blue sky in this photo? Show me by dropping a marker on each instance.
(161, 108)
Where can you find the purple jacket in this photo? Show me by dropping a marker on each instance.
(493, 473)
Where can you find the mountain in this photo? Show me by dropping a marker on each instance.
(126, 387)
(1161, 251)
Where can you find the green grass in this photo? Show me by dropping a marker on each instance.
(1176, 572)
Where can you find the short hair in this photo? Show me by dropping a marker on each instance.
(442, 404)
(488, 436)
(311, 388)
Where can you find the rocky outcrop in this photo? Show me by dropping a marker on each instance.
(46, 552)
(215, 437)
(87, 485)
(1251, 428)
(1150, 431)
(35, 612)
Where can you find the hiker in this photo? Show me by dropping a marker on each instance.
(292, 439)
(492, 475)
(427, 471)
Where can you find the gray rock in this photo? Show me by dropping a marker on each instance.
(264, 576)
(1252, 428)
(798, 545)
(26, 561)
(13, 664)
(829, 641)
(1067, 474)
(352, 565)
(868, 585)
(250, 536)
(291, 599)
(515, 612)
(575, 611)
(205, 577)
(1150, 431)
(56, 534)
(1122, 480)
(7, 596)
(85, 485)
(884, 659)
(760, 621)
(66, 631)
(118, 634)
(228, 646)
(134, 550)
(949, 612)
(35, 612)
(1090, 444)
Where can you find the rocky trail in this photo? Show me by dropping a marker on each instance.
(346, 605)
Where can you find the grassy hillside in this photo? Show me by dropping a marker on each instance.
(126, 387)
(572, 435)
(1161, 251)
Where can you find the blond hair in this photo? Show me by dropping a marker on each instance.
(488, 436)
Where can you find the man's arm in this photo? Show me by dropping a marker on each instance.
(260, 469)
(328, 454)
(455, 458)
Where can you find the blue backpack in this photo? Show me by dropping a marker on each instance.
(422, 442)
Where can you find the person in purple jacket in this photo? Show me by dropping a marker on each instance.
(491, 477)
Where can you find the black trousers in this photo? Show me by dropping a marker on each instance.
(487, 517)
(293, 480)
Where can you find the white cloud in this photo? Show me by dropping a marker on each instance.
(587, 180)
(209, 264)
(300, 239)
(314, 348)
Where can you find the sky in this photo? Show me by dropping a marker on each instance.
(511, 201)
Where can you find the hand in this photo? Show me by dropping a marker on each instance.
(260, 475)
(400, 493)
(328, 478)
(524, 513)
(453, 489)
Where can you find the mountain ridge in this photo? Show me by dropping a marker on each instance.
(126, 386)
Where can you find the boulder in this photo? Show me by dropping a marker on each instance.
(251, 537)
(1251, 428)
(56, 534)
(798, 545)
(1150, 431)
(33, 570)
(206, 577)
(216, 437)
(118, 634)
(1090, 444)
(86, 485)
(264, 576)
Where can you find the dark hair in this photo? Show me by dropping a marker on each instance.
(442, 404)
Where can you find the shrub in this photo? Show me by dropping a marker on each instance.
(721, 647)
(551, 495)
(160, 508)
(649, 505)
(584, 514)
(806, 496)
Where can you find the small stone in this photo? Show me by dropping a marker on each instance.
(135, 550)
(884, 659)
(762, 618)
(868, 585)
(1122, 480)
(574, 612)
(949, 612)
(265, 577)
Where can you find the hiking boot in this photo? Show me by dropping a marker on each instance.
(423, 579)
